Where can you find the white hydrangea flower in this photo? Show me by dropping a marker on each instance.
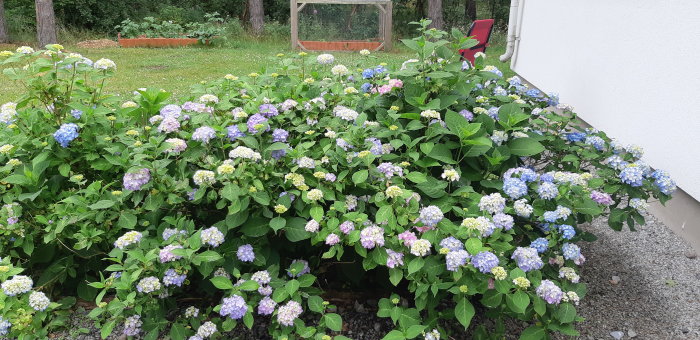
(315, 194)
(430, 114)
(325, 59)
(105, 64)
(245, 153)
(339, 70)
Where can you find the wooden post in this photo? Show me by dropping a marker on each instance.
(388, 26)
(294, 21)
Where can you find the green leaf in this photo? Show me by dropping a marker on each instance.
(473, 245)
(317, 213)
(566, 313)
(103, 204)
(292, 287)
(414, 331)
(107, 328)
(178, 332)
(395, 276)
(525, 147)
(294, 231)
(415, 265)
(518, 301)
(394, 335)
(533, 333)
(127, 220)
(249, 285)
(360, 176)
(464, 311)
(315, 303)
(207, 256)
(384, 213)
(277, 223)
(222, 282)
(416, 177)
(333, 321)
(539, 305)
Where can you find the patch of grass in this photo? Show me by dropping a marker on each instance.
(176, 69)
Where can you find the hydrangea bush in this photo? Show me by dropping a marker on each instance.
(449, 188)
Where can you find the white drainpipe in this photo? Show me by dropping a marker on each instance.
(512, 26)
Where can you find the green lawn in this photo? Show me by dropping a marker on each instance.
(175, 69)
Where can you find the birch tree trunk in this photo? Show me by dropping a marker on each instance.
(257, 14)
(435, 14)
(45, 22)
(4, 34)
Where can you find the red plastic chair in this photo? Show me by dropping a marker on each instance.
(481, 30)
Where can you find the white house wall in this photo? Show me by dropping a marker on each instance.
(629, 67)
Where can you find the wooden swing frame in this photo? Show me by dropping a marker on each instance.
(385, 22)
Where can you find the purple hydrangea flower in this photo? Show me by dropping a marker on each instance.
(132, 325)
(485, 261)
(168, 125)
(76, 113)
(332, 239)
(549, 292)
(408, 237)
(171, 110)
(303, 271)
(394, 258)
(468, 115)
(288, 312)
(372, 236)
(268, 110)
(203, 134)
(256, 119)
(135, 180)
(389, 170)
(346, 227)
(431, 215)
(527, 259)
(245, 253)
(601, 198)
(575, 136)
(233, 133)
(266, 306)
(172, 278)
(234, 307)
(280, 135)
(456, 259)
(166, 254)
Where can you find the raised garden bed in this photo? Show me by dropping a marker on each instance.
(345, 45)
(157, 42)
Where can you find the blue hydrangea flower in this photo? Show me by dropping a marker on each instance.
(367, 73)
(451, 243)
(548, 177)
(65, 134)
(280, 135)
(365, 87)
(268, 110)
(485, 261)
(493, 112)
(468, 115)
(596, 142)
(76, 113)
(575, 136)
(541, 244)
(534, 93)
(379, 70)
(234, 307)
(527, 259)
(550, 216)
(514, 187)
(632, 175)
(616, 162)
(552, 99)
(504, 221)
(567, 232)
(548, 190)
(456, 259)
(571, 251)
(4, 326)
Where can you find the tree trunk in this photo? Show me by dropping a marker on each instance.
(255, 8)
(435, 13)
(45, 23)
(470, 10)
(4, 35)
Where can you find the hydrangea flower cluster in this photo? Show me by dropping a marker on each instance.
(135, 180)
(66, 134)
